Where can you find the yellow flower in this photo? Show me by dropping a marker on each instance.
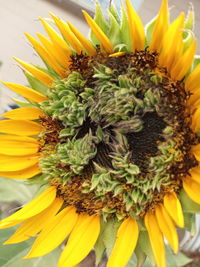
(111, 128)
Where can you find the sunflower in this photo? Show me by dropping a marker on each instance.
(110, 130)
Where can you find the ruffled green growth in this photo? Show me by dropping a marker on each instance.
(77, 153)
(116, 27)
(118, 97)
(64, 103)
(69, 158)
(121, 134)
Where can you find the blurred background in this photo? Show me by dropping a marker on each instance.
(17, 17)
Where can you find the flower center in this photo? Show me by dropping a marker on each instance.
(117, 134)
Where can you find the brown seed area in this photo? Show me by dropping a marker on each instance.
(88, 202)
(143, 145)
(50, 136)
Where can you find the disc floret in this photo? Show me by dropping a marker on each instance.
(122, 134)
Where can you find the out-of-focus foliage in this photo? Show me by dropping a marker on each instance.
(11, 255)
(15, 193)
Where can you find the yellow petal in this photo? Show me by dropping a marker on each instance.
(84, 41)
(195, 121)
(194, 100)
(56, 38)
(177, 53)
(160, 27)
(14, 145)
(118, 54)
(196, 151)
(195, 174)
(81, 240)
(40, 75)
(26, 92)
(22, 174)
(68, 34)
(136, 28)
(125, 243)
(31, 209)
(20, 127)
(193, 80)
(45, 55)
(184, 63)
(24, 113)
(170, 45)
(156, 239)
(174, 209)
(55, 51)
(103, 39)
(54, 233)
(17, 163)
(195, 106)
(167, 227)
(35, 224)
(192, 188)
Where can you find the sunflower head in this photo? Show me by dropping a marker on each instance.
(111, 128)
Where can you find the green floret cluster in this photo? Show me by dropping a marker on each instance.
(115, 135)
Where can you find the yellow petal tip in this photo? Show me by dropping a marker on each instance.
(26, 257)
(117, 54)
(53, 15)
(3, 82)
(7, 242)
(17, 59)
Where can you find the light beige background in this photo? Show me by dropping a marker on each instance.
(19, 16)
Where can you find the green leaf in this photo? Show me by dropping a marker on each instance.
(50, 72)
(189, 37)
(36, 84)
(187, 204)
(125, 31)
(141, 256)
(145, 246)
(181, 259)
(176, 260)
(38, 179)
(109, 234)
(147, 263)
(133, 262)
(170, 258)
(99, 249)
(114, 12)
(23, 104)
(11, 255)
(13, 190)
(196, 62)
(50, 259)
(149, 30)
(190, 222)
(114, 30)
(189, 22)
(101, 22)
(100, 19)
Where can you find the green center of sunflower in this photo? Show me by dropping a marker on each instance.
(117, 135)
